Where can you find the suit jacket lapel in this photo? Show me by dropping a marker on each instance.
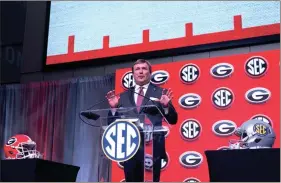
(131, 97)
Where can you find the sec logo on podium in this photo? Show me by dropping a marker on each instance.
(121, 140)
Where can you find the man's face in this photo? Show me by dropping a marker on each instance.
(141, 74)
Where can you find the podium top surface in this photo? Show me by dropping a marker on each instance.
(123, 109)
(146, 114)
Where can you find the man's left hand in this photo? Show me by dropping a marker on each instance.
(166, 97)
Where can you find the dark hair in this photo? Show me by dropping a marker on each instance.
(140, 61)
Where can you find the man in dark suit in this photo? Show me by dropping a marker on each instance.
(134, 167)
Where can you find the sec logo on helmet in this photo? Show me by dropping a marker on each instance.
(159, 77)
(191, 179)
(189, 100)
(257, 95)
(263, 118)
(190, 129)
(222, 98)
(222, 70)
(191, 159)
(261, 129)
(256, 66)
(189, 73)
(224, 127)
(120, 140)
(127, 80)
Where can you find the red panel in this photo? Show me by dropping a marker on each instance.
(240, 110)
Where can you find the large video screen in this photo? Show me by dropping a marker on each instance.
(80, 31)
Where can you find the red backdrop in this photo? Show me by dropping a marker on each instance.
(240, 110)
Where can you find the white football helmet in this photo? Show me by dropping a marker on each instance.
(253, 134)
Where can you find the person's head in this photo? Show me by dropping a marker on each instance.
(141, 71)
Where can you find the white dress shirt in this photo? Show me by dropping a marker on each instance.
(137, 90)
(145, 87)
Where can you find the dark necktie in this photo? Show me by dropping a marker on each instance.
(140, 98)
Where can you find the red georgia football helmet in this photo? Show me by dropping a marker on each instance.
(21, 147)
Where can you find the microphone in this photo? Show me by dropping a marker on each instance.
(92, 115)
(149, 109)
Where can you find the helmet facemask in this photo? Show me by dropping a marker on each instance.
(243, 143)
(27, 150)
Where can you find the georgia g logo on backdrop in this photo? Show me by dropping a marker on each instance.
(223, 148)
(256, 66)
(222, 70)
(121, 140)
(127, 80)
(191, 179)
(191, 159)
(189, 73)
(189, 100)
(159, 77)
(257, 95)
(224, 127)
(222, 98)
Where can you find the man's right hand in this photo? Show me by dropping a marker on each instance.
(113, 100)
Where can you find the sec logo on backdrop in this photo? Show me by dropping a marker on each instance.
(148, 162)
(191, 159)
(189, 100)
(159, 77)
(190, 129)
(256, 66)
(224, 127)
(222, 98)
(263, 118)
(127, 80)
(189, 73)
(222, 70)
(120, 140)
(257, 95)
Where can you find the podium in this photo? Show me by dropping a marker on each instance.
(244, 165)
(37, 170)
(121, 143)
